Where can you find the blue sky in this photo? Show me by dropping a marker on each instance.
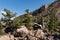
(19, 6)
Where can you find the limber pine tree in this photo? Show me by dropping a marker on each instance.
(7, 19)
(28, 20)
(8, 16)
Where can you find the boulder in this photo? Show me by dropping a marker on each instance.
(23, 31)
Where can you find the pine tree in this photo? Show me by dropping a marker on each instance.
(28, 20)
(7, 17)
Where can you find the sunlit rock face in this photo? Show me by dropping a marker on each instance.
(6, 37)
(39, 33)
(23, 30)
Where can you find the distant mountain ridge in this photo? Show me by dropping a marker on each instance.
(45, 7)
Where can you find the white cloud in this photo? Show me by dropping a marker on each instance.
(1, 13)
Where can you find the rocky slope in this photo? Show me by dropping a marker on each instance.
(41, 12)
